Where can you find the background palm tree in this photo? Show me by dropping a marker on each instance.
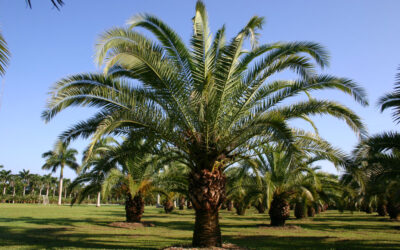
(60, 157)
(5, 177)
(214, 102)
(25, 176)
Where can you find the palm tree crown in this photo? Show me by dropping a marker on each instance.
(213, 101)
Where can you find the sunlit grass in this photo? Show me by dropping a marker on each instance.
(38, 226)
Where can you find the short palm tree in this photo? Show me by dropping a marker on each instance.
(97, 164)
(213, 101)
(25, 176)
(60, 157)
(287, 173)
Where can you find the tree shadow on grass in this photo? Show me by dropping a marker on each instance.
(54, 221)
(66, 238)
(277, 242)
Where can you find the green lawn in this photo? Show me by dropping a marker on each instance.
(38, 226)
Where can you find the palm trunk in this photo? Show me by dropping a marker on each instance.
(181, 203)
(24, 191)
(260, 208)
(207, 193)
(230, 205)
(13, 191)
(393, 210)
(310, 211)
(299, 210)
(168, 206)
(47, 192)
(65, 193)
(382, 209)
(279, 211)
(60, 185)
(98, 199)
(40, 191)
(4, 190)
(134, 208)
(240, 208)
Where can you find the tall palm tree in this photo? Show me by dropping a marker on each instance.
(60, 157)
(5, 179)
(25, 176)
(213, 102)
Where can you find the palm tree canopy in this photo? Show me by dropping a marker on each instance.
(392, 100)
(56, 3)
(4, 55)
(213, 100)
(59, 157)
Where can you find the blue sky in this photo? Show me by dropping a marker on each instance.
(363, 39)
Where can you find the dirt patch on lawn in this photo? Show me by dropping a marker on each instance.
(286, 227)
(132, 225)
(224, 246)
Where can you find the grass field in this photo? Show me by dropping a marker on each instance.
(38, 226)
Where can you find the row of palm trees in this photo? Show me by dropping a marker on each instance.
(373, 175)
(214, 105)
(27, 184)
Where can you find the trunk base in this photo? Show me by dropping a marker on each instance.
(134, 208)
(207, 232)
(279, 211)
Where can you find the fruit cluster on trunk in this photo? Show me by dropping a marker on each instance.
(207, 193)
(168, 206)
(134, 207)
(299, 210)
(279, 211)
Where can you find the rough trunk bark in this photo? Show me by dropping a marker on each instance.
(299, 210)
(168, 206)
(181, 203)
(310, 211)
(382, 209)
(230, 206)
(393, 211)
(279, 211)
(134, 207)
(260, 208)
(318, 209)
(240, 209)
(60, 185)
(98, 199)
(207, 193)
